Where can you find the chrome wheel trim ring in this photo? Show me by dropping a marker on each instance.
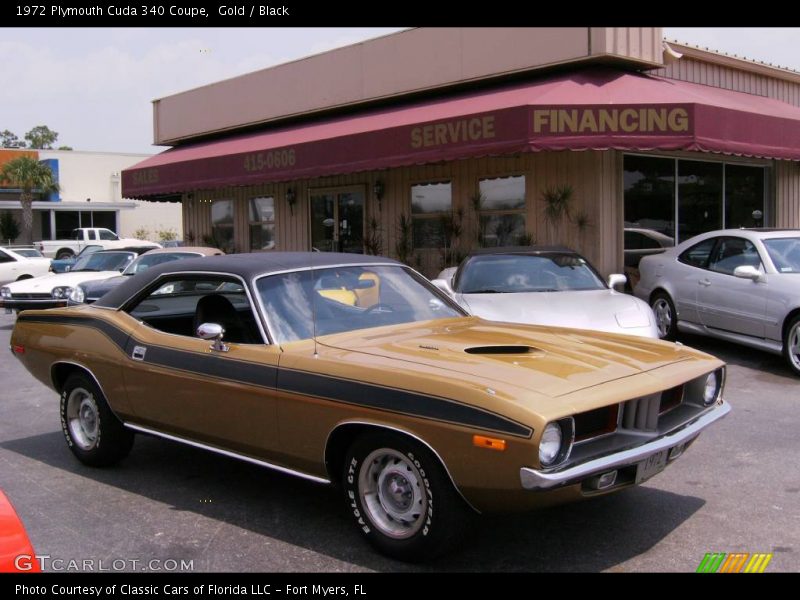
(663, 316)
(793, 343)
(83, 418)
(392, 491)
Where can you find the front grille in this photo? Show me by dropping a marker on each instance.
(641, 414)
(31, 296)
(595, 423)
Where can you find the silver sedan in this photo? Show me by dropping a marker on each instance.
(741, 285)
(544, 286)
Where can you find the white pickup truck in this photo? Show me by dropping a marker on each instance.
(86, 236)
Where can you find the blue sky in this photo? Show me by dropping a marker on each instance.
(94, 86)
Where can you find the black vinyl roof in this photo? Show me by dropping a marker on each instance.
(245, 266)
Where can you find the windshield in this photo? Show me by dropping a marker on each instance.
(146, 261)
(513, 273)
(89, 250)
(28, 252)
(347, 299)
(785, 253)
(104, 261)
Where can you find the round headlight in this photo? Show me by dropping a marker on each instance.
(58, 293)
(711, 388)
(550, 446)
(5, 292)
(77, 295)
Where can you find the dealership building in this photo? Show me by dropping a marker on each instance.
(427, 143)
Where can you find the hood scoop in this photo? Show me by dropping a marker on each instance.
(515, 350)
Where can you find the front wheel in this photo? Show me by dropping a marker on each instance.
(791, 344)
(93, 433)
(401, 497)
(666, 317)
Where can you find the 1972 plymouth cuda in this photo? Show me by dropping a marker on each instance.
(356, 370)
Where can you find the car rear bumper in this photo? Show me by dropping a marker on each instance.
(535, 480)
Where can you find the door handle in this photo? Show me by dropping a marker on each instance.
(704, 282)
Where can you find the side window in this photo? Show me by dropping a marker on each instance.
(180, 304)
(91, 234)
(732, 252)
(105, 234)
(5, 258)
(697, 255)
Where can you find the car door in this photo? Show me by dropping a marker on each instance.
(732, 303)
(178, 384)
(684, 276)
(8, 268)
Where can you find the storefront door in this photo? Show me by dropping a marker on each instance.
(337, 220)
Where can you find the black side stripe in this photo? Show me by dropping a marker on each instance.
(302, 382)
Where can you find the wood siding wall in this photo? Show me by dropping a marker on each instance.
(729, 78)
(787, 194)
(594, 175)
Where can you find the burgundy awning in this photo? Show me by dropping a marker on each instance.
(587, 110)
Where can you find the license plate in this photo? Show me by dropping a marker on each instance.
(652, 465)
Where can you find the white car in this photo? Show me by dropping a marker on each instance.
(53, 289)
(14, 266)
(545, 286)
(740, 285)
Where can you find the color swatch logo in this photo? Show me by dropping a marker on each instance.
(737, 562)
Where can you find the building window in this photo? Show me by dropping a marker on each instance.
(262, 223)
(222, 224)
(649, 196)
(431, 206)
(744, 196)
(501, 211)
(699, 195)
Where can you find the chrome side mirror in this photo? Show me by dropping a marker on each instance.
(213, 331)
(616, 279)
(444, 285)
(747, 272)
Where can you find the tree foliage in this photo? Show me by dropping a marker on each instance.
(41, 137)
(32, 178)
(8, 139)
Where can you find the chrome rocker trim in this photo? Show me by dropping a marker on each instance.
(535, 480)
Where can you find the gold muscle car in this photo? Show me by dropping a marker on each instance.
(356, 370)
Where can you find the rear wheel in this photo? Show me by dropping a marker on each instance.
(666, 317)
(62, 254)
(791, 344)
(401, 498)
(95, 436)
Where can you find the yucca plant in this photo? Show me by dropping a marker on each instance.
(404, 246)
(558, 206)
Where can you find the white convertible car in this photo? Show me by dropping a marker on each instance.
(16, 265)
(542, 285)
(53, 289)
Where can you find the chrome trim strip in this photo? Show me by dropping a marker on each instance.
(409, 434)
(533, 479)
(265, 337)
(228, 453)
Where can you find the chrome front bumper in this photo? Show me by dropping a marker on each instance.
(535, 480)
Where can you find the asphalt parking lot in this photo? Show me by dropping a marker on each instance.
(736, 490)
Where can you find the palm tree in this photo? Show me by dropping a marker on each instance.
(33, 178)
